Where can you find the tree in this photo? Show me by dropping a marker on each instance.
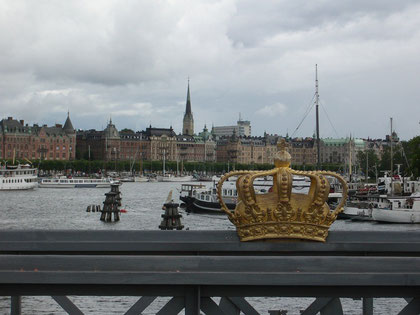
(371, 163)
(126, 130)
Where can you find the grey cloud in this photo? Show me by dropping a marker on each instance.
(102, 58)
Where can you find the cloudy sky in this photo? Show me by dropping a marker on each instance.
(130, 60)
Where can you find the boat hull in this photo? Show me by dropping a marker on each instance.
(74, 183)
(19, 186)
(198, 206)
(175, 179)
(396, 216)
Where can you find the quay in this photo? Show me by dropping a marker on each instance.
(192, 267)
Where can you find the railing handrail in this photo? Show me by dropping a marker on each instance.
(221, 242)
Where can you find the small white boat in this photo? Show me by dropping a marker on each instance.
(173, 178)
(141, 179)
(401, 210)
(19, 177)
(75, 183)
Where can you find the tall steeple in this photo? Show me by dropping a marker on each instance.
(188, 125)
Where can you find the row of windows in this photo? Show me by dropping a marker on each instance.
(29, 140)
(9, 181)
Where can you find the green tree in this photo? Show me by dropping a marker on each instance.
(372, 162)
(413, 155)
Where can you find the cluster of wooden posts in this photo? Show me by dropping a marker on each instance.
(171, 218)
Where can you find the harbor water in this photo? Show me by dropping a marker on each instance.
(64, 209)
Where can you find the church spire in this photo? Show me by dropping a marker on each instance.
(188, 125)
(188, 106)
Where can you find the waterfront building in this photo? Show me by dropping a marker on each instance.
(135, 146)
(197, 148)
(242, 129)
(22, 141)
(303, 151)
(227, 149)
(163, 143)
(99, 145)
(338, 151)
(113, 145)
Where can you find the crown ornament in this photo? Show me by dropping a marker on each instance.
(281, 213)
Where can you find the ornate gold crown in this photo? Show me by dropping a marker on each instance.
(280, 213)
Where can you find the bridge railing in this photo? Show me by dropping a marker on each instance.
(193, 267)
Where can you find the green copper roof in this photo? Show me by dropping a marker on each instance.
(342, 141)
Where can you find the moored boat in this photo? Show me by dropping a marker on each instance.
(173, 178)
(18, 177)
(75, 183)
(401, 210)
(205, 200)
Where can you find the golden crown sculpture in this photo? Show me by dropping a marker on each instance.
(280, 213)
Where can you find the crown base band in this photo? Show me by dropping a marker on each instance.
(282, 230)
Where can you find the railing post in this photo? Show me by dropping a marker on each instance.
(192, 300)
(16, 305)
(367, 306)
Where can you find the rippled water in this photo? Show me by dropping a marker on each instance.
(48, 208)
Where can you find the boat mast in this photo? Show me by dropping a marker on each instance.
(392, 164)
(317, 118)
(350, 161)
(164, 154)
(367, 165)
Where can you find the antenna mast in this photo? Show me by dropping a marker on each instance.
(317, 118)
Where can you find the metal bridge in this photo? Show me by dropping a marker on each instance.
(193, 267)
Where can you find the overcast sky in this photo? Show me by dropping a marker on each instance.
(130, 60)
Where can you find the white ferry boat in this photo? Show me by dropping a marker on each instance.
(19, 177)
(75, 183)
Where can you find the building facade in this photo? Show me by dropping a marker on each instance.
(21, 141)
(341, 151)
(242, 129)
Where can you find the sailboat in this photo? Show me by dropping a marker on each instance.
(167, 177)
(141, 178)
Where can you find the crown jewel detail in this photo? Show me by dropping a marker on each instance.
(280, 213)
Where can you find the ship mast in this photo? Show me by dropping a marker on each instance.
(392, 164)
(317, 118)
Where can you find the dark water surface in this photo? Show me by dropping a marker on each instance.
(49, 209)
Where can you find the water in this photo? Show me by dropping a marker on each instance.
(52, 209)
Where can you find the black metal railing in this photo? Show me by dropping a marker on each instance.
(193, 267)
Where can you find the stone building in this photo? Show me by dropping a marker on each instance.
(242, 129)
(37, 142)
(99, 145)
(228, 149)
(135, 146)
(338, 151)
(197, 148)
(303, 151)
(163, 143)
